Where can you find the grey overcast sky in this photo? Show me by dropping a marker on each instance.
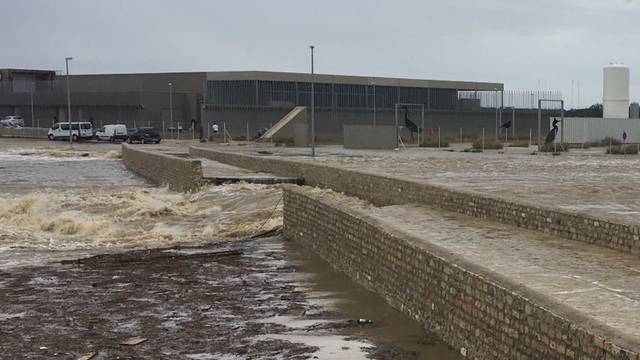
(541, 44)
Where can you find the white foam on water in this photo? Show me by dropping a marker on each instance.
(133, 218)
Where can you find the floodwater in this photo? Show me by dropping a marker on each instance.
(334, 289)
(585, 181)
(58, 204)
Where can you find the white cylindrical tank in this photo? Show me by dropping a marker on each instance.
(615, 94)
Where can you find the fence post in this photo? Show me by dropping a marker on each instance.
(438, 137)
(460, 134)
(529, 137)
(482, 139)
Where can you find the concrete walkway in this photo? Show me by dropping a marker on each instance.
(599, 283)
(219, 173)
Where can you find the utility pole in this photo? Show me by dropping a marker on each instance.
(171, 108)
(66, 60)
(374, 102)
(32, 116)
(313, 134)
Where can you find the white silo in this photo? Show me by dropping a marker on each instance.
(615, 95)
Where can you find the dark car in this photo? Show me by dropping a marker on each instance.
(144, 135)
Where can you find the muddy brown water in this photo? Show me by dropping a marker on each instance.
(276, 300)
(353, 301)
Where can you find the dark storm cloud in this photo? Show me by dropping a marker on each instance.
(525, 44)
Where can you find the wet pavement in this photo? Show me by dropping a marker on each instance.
(585, 181)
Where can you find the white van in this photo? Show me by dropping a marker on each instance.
(80, 130)
(112, 132)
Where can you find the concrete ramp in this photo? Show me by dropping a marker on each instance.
(291, 115)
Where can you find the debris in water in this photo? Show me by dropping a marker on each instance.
(364, 322)
(88, 356)
(133, 341)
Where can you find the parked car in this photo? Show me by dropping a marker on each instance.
(144, 135)
(79, 130)
(112, 133)
(12, 121)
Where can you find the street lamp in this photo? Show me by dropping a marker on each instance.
(171, 107)
(373, 83)
(66, 60)
(313, 135)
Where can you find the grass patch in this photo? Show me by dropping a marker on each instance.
(472, 150)
(604, 142)
(554, 148)
(626, 149)
(488, 145)
(433, 143)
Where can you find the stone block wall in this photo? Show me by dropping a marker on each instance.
(476, 311)
(385, 190)
(179, 174)
(26, 132)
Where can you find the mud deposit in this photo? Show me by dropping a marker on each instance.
(259, 299)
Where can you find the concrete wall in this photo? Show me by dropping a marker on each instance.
(178, 173)
(476, 311)
(369, 137)
(384, 190)
(301, 135)
(580, 130)
(26, 132)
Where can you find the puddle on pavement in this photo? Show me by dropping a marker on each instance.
(331, 289)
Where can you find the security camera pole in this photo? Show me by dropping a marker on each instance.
(66, 60)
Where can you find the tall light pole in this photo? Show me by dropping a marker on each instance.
(374, 102)
(171, 107)
(66, 60)
(313, 134)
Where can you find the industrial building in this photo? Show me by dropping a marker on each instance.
(246, 102)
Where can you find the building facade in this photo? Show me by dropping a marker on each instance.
(245, 102)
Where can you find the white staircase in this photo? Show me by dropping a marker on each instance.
(284, 121)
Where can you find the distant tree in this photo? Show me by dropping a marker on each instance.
(594, 111)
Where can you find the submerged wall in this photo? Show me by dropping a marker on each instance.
(25, 132)
(474, 310)
(179, 174)
(389, 190)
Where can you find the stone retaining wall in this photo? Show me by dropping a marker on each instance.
(26, 132)
(384, 190)
(474, 310)
(179, 174)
